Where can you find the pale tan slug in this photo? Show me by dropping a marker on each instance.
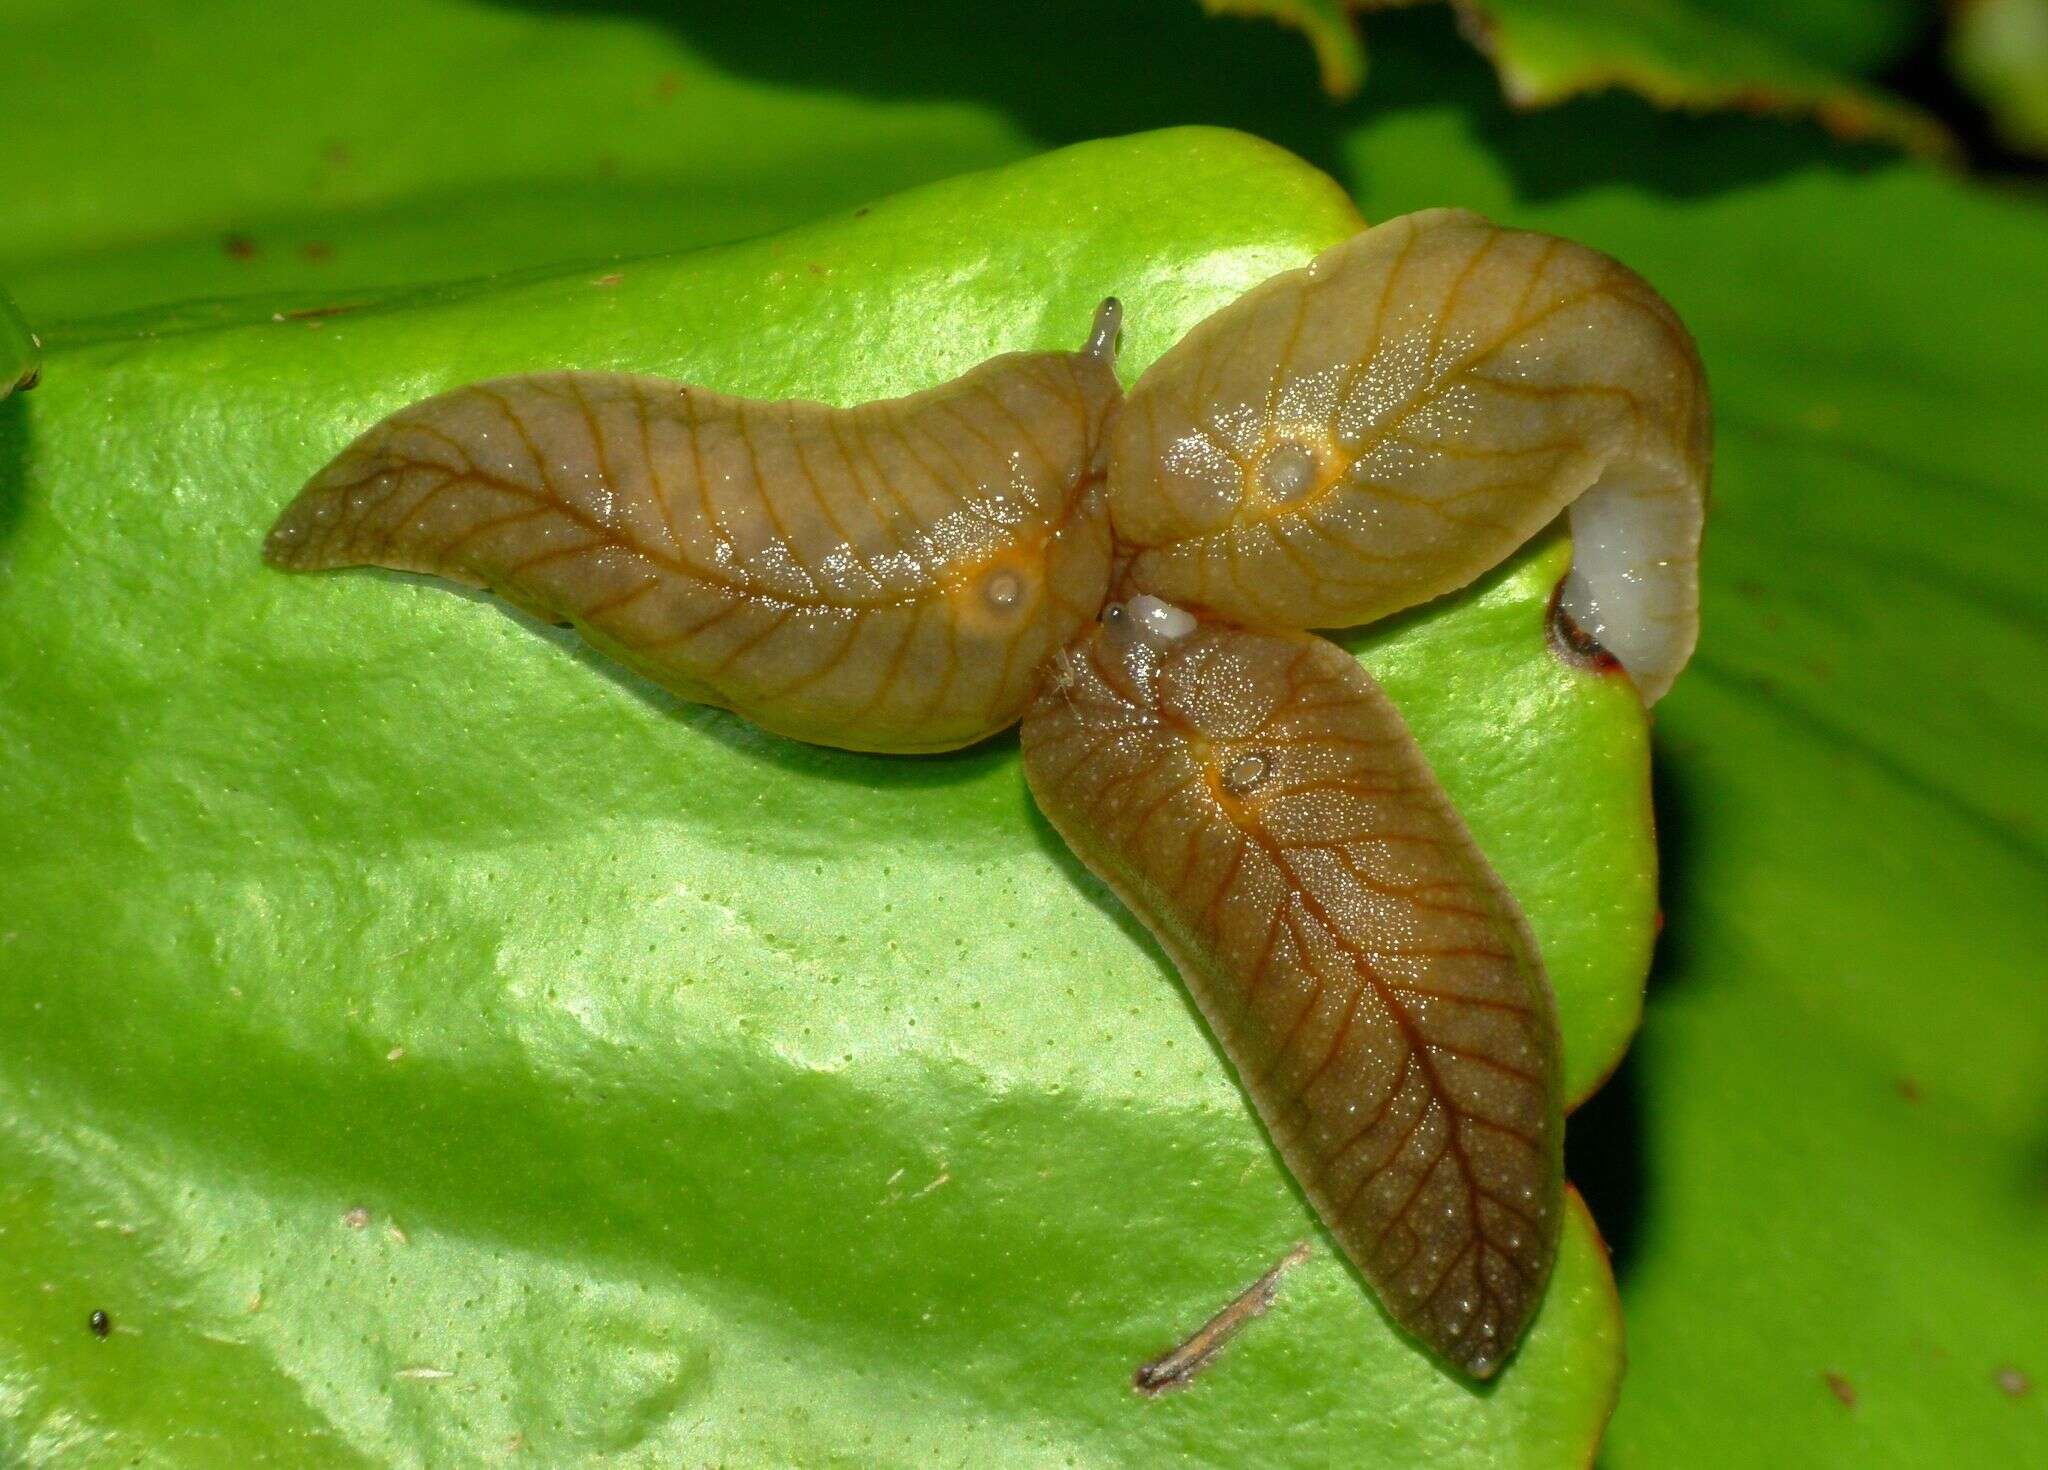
(1393, 419)
(888, 577)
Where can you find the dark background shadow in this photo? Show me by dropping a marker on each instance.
(14, 437)
(1069, 70)
(1606, 1153)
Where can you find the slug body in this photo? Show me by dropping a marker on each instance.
(1257, 801)
(1395, 418)
(887, 577)
(1345, 441)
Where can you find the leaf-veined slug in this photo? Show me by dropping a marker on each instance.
(1256, 800)
(885, 577)
(1397, 416)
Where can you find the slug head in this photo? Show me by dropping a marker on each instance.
(1391, 421)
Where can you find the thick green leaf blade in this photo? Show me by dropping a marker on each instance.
(446, 142)
(1854, 919)
(411, 996)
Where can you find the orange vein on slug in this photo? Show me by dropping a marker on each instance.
(1132, 578)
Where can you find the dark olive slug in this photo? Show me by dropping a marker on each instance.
(1134, 579)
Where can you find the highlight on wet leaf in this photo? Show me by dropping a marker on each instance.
(1385, 424)
(1257, 801)
(884, 577)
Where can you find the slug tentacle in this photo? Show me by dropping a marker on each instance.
(1392, 420)
(1109, 320)
(887, 577)
(1257, 801)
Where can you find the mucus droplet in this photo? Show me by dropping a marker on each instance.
(1288, 470)
(1161, 621)
(1003, 590)
(1247, 773)
(1148, 620)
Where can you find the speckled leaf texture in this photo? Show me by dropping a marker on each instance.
(370, 1074)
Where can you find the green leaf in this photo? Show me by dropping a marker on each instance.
(1999, 49)
(1823, 1157)
(1840, 1090)
(1699, 53)
(733, 1097)
(456, 141)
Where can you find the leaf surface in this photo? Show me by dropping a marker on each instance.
(421, 997)
(1823, 1160)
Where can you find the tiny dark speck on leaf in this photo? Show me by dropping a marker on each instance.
(238, 246)
(862, 212)
(2013, 1383)
(317, 250)
(667, 85)
(100, 1323)
(1842, 1389)
(1909, 1089)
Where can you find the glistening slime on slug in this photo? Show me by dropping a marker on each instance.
(1134, 580)
(888, 577)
